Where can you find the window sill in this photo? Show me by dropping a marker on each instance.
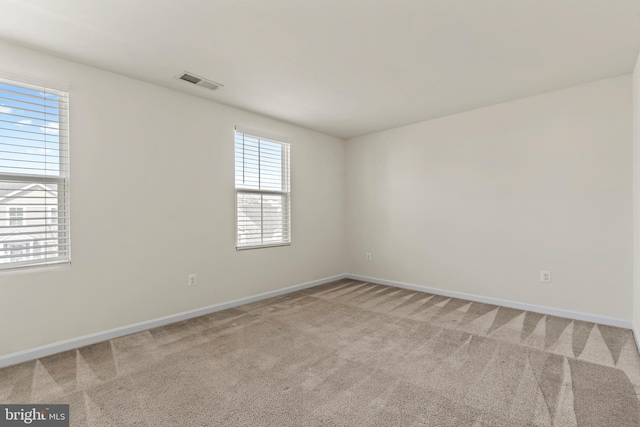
(38, 268)
(277, 245)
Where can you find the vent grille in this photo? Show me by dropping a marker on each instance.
(189, 78)
(198, 81)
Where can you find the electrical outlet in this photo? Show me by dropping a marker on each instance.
(367, 257)
(191, 279)
(545, 276)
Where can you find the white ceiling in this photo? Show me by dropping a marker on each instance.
(342, 67)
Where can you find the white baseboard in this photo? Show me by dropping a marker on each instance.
(49, 349)
(506, 303)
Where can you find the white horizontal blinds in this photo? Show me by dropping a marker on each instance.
(34, 165)
(262, 192)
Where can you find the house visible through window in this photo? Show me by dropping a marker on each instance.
(34, 178)
(262, 192)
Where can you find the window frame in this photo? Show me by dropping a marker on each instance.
(62, 236)
(285, 193)
(11, 218)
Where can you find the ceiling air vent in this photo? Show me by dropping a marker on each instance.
(198, 81)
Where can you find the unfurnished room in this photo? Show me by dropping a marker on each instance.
(320, 213)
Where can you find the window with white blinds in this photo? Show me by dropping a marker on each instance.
(34, 175)
(263, 196)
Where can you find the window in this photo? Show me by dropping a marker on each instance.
(15, 216)
(53, 216)
(17, 251)
(262, 192)
(36, 249)
(34, 174)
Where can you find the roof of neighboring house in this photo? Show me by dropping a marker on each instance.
(8, 188)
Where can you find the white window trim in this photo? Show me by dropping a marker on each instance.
(19, 78)
(63, 262)
(286, 172)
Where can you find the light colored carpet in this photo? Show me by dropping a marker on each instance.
(347, 354)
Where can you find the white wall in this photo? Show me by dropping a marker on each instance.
(152, 199)
(636, 199)
(479, 202)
